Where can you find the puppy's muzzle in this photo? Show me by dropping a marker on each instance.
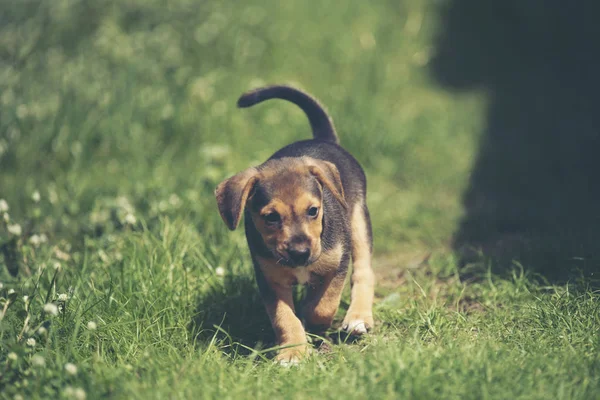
(299, 254)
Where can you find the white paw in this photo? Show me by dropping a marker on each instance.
(356, 327)
(289, 362)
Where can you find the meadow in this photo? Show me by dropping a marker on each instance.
(118, 279)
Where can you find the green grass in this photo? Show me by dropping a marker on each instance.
(119, 109)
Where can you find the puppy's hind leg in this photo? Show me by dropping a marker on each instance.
(359, 317)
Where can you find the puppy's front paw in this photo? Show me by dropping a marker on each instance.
(357, 324)
(292, 356)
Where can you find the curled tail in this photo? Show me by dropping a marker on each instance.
(320, 122)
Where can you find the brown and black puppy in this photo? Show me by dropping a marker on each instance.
(305, 215)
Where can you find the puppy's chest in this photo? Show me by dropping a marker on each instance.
(327, 263)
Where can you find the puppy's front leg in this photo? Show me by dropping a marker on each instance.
(279, 301)
(323, 300)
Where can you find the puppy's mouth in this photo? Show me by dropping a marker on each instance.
(288, 262)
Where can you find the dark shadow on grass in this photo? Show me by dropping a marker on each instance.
(534, 193)
(233, 314)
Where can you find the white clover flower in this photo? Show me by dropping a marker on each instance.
(31, 342)
(25, 299)
(6, 217)
(92, 325)
(38, 361)
(79, 394)
(174, 200)
(63, 297)
(51, 309)
(15, 229)
(22, 111)
(367, 41)
(220, 271)
(42, 330)
(35, 240)
(3, 205)
(130, 219)
(12, 356)
(56, 265)
(36, 196)
(219, 108)
(71, 368)
(11, 291)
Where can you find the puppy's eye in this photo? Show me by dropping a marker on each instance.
(272, 218)
(313, 212)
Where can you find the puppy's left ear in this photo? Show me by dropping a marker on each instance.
(232, 195)
(328, 175)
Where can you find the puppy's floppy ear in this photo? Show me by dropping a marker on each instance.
(328, 175)
(232, 194)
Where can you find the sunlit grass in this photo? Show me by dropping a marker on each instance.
(118, 278)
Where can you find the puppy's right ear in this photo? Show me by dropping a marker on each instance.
(232, 194)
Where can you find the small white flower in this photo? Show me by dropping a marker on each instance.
(25, 299)
(51, 309)
(63, 297)
(367, 41)
(43, 238)
(220, 271)
(42, 330)
(31, 342)
(15, 229)
(130, 219)
(12, 356)
(174, 200)
(3, 205)
(38, 361)
(11, 291)
(22, 111)
(56, 265)
(71, 368)
(36, 196)
(92, 325)
(35, 240)
(6, 217)
(79, 394)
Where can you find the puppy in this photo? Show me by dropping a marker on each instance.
(305, 215)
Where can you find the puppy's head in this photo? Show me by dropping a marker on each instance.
(285, 199)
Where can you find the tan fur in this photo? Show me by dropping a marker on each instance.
(291, 212)
(288, 328)
(285, 227)
(232, 195)
(288, 276)
(323, 301)
(328, 174)
(363, 279)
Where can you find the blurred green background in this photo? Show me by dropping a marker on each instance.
(475, 120)
(137, 99)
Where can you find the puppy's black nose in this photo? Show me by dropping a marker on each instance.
(299, 255)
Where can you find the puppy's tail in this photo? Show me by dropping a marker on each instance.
(321, 123)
